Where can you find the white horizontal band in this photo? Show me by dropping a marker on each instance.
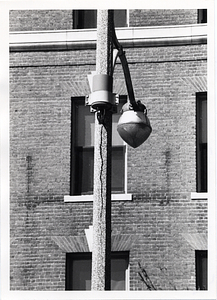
(127, 36)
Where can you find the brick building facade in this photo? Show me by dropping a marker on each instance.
(159, 219)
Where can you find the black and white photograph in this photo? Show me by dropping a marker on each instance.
(108, 169)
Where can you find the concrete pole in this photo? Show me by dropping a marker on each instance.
(101, 251)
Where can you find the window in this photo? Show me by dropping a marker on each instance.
(78, 271)
(82, 158)
(201, 269)
(201, 142)
(88, 18)
(202, 16)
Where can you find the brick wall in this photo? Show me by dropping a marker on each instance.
(161, 172)
(160, 17)
(33, 20)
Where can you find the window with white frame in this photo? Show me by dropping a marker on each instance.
(82, 150)
(83, 19)
(201, 128)
(78, 271)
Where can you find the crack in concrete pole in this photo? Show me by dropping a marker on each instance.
(101, 252)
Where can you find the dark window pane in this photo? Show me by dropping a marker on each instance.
(201, 269)
(84, 164)
(118, 169)
(81, 279)
(202, 15)
(88, 18)
(84, 168)
(120, 18)
(78, 270)
(84, 19)
(201, 142)
(203, 154)
(118, 273)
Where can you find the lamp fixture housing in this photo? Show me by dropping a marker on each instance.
(134, 126)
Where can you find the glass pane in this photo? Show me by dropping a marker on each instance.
(202, 15)
(201, 269)
(85, 129)
(87, 170)
(203, 168)
(79, 272)
(85, 121)
(84, 19)
(204, 273)
(84, 167)
(202, 142)
(203, 121)
(116, 139)
(118, 166)
(120, 16)
(88, 18)
(81, 279)
(118, 273)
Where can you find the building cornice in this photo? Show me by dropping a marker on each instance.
(128, 37)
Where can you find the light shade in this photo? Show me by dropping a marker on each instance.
(134, 127)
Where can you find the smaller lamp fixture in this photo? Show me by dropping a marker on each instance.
(102, 97)
(134, 126)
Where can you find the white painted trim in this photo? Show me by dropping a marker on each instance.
(128, 18)
(89, 198)
(125, 167)
(89, 237)
(195, 195)
(127, 277)
(127, 36)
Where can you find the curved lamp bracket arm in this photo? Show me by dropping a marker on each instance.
(136, 106)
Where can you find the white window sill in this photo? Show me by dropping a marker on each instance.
(197, 196)
(89, 198)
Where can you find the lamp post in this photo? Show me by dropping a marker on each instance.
(133, 128)
(102, 92)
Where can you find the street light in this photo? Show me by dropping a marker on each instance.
(134, 127)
